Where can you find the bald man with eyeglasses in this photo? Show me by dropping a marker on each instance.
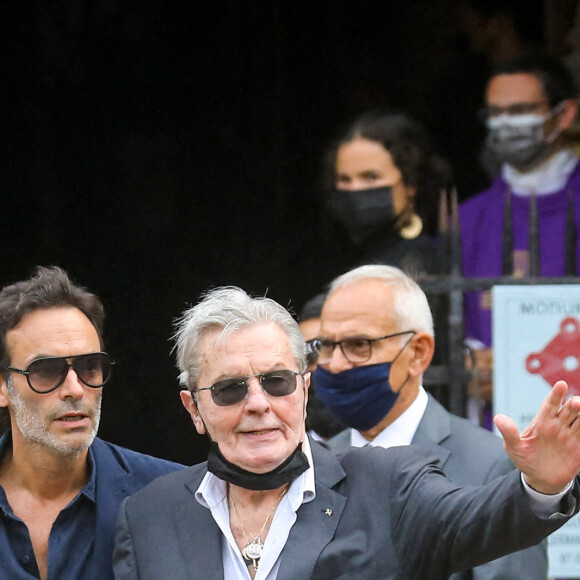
(376, 340)
(60, 486)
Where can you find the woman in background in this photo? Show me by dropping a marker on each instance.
(383, 182)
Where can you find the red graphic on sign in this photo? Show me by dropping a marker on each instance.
(560, 359)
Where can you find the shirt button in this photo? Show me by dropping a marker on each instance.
(26, 559)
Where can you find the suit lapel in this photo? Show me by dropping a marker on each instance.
(433, 430)
(323, 514)
(113, 485)
(197, 532)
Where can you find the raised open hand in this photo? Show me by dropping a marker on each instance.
(547, 452)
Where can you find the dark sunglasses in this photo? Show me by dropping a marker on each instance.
(45, 375)
(232, 391)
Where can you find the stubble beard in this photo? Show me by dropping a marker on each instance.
(35, 425)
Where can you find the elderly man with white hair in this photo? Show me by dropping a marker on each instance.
(271, 504)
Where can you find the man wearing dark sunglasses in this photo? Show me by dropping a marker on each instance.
(375, 342)
(60, 486)
(272, 504)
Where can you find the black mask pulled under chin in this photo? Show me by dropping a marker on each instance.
(294, 466)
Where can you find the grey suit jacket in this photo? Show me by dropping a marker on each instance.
(378, 514)
(469, 455)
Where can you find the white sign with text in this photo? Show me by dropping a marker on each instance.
(536, 337)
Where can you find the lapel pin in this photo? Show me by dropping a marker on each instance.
(328, 512)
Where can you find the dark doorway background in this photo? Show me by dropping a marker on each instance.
(154, 149)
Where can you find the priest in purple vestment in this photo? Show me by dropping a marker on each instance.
(530, 103)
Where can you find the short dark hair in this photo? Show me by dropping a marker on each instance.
(312, 308)
(48, 288)
(557, 81)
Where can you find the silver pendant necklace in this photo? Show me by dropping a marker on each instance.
(252, 551)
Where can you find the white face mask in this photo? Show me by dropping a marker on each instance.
(519, 140)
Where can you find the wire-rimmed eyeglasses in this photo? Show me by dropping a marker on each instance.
(355, 350)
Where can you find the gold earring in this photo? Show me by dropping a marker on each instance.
(412, 228)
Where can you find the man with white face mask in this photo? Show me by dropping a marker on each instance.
(530, 103)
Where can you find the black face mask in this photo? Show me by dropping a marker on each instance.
(363, 213)
(294, 466)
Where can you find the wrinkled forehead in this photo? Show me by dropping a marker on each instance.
(249, 350)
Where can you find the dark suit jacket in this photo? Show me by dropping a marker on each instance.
(469, 455)
(119, 473)
(378, 514)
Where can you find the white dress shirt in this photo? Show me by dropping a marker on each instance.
(212, 493)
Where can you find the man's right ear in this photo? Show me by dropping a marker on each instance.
(3, 391)
(568, 114)
(190, 405)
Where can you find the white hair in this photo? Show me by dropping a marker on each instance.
(410, 305)
(229, 309)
